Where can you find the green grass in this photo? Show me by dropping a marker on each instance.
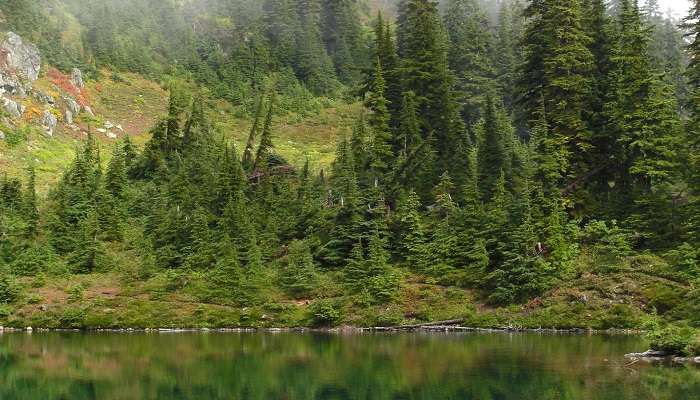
(137, 103)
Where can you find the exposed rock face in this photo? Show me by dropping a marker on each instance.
(10, 84)
(49, 121)
(44, 98)
(72, 105)
(77, 78)
(22, 58)
(68, 117)
(12, 107)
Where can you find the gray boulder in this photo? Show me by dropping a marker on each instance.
(20, 57)
(77, 78)
(43, 97)
(10, 84)
(2, 135)
(68, 117)
(49, 121)
(12, 107)
(72, 105)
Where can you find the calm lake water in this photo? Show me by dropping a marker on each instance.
(294, 366)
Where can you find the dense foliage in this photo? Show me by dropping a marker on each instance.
(491, 152)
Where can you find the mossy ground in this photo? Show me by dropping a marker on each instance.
(622, 299)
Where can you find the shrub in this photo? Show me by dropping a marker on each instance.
(75, 293)
(686, 261)
(72, 318)
(607, 239)
(673, 339)
(693, 348)
(325, 313)
(9, 289)
(38, 259)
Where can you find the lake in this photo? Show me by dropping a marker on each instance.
(77, 366)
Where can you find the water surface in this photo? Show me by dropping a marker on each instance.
(212, 366)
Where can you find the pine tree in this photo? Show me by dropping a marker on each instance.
(85, 257)
(262, 159)
(202, 250)
(248, 159)
(491, 151)
(642, 112)
(116, 180)
(313, 65)
(342, 34)
(382, 155)
(470, 55)
(425, 71)
(509, 51)
(298, 274)
(412, 232)
(281, 21)
(227, 276)
(557, 72)
(692, 24)
(29, 206)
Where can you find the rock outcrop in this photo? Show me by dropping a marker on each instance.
(77, 78)
(49, 121)
(12, 107)
(44, 98)
(20, 57)
(72, 105)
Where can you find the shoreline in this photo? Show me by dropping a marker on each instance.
(335, 330)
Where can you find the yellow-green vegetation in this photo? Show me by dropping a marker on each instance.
(129, 295)
(136, 103)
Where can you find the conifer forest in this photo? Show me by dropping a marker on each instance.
(504, 162)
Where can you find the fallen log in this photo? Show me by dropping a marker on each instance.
(427, 324)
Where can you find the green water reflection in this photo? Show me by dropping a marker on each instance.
(293, 366)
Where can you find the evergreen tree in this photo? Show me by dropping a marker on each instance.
(692, 24)
(491, 151)
(382, 155)
(557, 72)
(29, 206)
(642, 114)
(116, 180)
(385, 52)
(248, 159)
(509, 51)
(298, 273)
(262, 159)
(425, 72)
(470, 55)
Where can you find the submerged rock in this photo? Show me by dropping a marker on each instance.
(20, 57)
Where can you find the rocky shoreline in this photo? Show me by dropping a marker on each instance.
(339, 330)
(655, 356)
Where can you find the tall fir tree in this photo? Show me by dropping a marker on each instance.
(470, 55)
(557, 73)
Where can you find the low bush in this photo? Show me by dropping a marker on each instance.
(673, 339)
(325, 313)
